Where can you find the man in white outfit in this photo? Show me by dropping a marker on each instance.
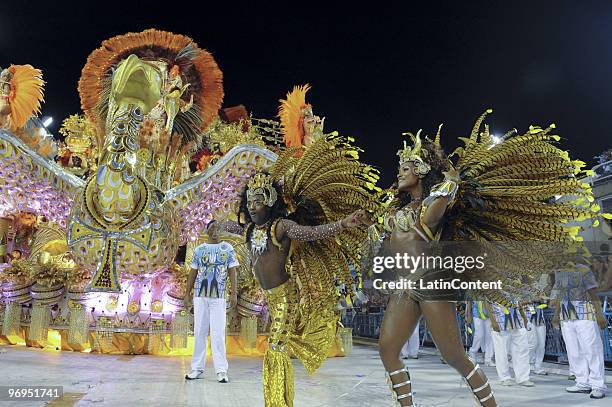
(410, 350)
(580, 312)
(210, 266)
(537, 337)
(510, 336)
(477, 314)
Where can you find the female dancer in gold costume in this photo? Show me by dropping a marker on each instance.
(499, 191)
(426, 189)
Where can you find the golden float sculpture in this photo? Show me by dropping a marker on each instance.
(149, 98)
(108, 217)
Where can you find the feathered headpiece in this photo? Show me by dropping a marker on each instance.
(26, 94)
(195, 65)
(261, 184)
(291, 116)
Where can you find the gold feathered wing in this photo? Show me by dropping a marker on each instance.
(325, 184)
(506, 202)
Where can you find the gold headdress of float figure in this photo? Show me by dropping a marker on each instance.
(21, 88)
(191, 81)
(299, 125)
(416, 154)
(261, 184)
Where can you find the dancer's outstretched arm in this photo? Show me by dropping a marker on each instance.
(231, 227)
(295, 231)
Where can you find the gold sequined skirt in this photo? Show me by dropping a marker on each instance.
(295, 330)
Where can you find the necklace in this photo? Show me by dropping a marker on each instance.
(259, 239)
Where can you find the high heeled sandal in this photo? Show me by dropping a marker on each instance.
(394, 386)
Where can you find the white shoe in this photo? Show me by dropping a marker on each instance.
(527, 383)
(506, 382)
(541, 372)
(597, 394)
(490, 364)
(576, 389)
(222, 377)
(195, 374)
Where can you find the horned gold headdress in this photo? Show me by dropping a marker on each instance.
(261, 184)
(415, 154)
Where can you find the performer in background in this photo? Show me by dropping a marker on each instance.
(477, 314)
(510, 337)
(578, 307)
(212, 262)
(410, 350)
(537, 336)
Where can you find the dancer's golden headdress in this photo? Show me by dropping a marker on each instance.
(261, 184)
(415, 154)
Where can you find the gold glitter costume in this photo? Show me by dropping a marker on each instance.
(329, 174)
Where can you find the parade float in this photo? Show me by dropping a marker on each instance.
(96, 229)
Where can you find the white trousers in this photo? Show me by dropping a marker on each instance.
(515, 342)
(482, 340)
(585, 353)
(411, 347)
(537, 345)
(209, 315)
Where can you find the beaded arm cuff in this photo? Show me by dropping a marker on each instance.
(302, 233)
(231, 227)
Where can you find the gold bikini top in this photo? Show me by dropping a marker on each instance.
(411, 217)
(406, 219)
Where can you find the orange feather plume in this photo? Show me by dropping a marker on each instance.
(26, 94)
(290, 114)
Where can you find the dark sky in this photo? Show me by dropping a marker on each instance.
(373, 77)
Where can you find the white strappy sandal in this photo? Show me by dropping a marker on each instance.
(484, 386)
(397, 397)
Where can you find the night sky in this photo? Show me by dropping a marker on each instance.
(373, 77)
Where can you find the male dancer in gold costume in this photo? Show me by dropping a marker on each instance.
(295, 262)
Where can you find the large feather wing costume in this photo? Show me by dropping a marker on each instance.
(507, 200)
(323, 185)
